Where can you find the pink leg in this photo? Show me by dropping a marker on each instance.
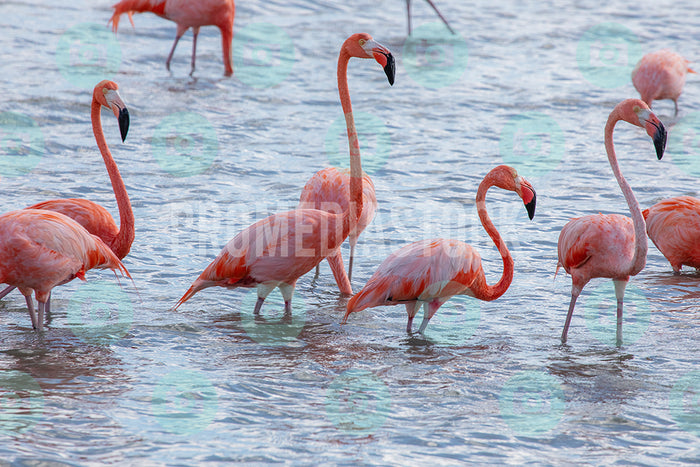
(572, 304)
(620, 295)
(30, 307)
(429, 310)
(440, 15)
(408, 13)
(195, 32)
(40, 319)
(172, 51)
(258, 305)
(7, 290)
(411, 309)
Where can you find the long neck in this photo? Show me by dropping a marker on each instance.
(121, 244)
(492, 292)
(640, 237)
(353, 142)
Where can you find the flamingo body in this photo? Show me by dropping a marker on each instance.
(674, 226)
(429, 272)
(186, 14)
(661, 75)
(41, 249)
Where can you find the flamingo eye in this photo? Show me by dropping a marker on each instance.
(362, 42)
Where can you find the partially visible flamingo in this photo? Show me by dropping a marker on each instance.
(430, 2)
(610, 245)
(674, 226)
(277, 250)
(95, 218)
(41, 249)
(186, 14)
(661, 75)
(329, 189)
(430, 272)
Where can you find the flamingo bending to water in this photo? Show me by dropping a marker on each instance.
(430, 272)
(41, 249)
(90, 215)
(186, 14)
(329, 189)
(277, 250)
(610, 245)
(674, 226)
(661, 75)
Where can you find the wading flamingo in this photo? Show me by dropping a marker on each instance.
(279, 249)
(660, 75)
(41, 249)
(186, 14)
(329, 189)
(408, 13)
(430, 272)
(610, 245)
(90, 215)
(674, 226)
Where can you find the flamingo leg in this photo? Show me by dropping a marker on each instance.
(570, 313)
(352, 257)
(7, 290)
(408, 13)
(675, 103)
(429, 310)
(411, 309)
(40, 319)
(30, 308)
(287, 293)
(195, 33)
(620, 295)
(440, 15)
(178, 35)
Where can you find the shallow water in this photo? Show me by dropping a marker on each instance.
(119, 377)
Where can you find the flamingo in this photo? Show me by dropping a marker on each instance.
(660, 75)
(186, 14)
(430, 272)
(41, 249)
(329, 189)
(430, 2)
(610, 245)
(277, 250)
(90, 215)
(674, 226)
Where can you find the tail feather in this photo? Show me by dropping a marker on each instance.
(102, 257)
(135, 6)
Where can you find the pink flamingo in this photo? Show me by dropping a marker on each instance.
(674, 226)
(41, 249)
(277, 250)
(610, 245)
(329, 189)
(430, 2)
(95, 218)
(186, 14)
(430, 272)
(660, 75)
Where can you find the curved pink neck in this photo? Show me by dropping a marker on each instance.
(492, 292)
(121, 244)
(640, 236)
(353, 142)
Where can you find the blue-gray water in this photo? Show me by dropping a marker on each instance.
(117, 377)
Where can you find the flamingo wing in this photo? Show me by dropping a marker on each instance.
(674, 226)
(93, 217)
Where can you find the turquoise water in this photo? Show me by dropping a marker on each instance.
(118, 377)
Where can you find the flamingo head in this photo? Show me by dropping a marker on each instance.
(527, 193)
(507, 178)
(654, 128)
(362, 45)
(106, 94)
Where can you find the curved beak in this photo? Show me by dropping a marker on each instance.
(527, 193)
(383, 56)
(120, 111)
(655, 129)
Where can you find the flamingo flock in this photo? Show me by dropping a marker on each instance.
(53, 242)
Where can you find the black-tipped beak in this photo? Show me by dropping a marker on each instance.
(531, 205)
(123, 122)
(660, 140)
(390, 68)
